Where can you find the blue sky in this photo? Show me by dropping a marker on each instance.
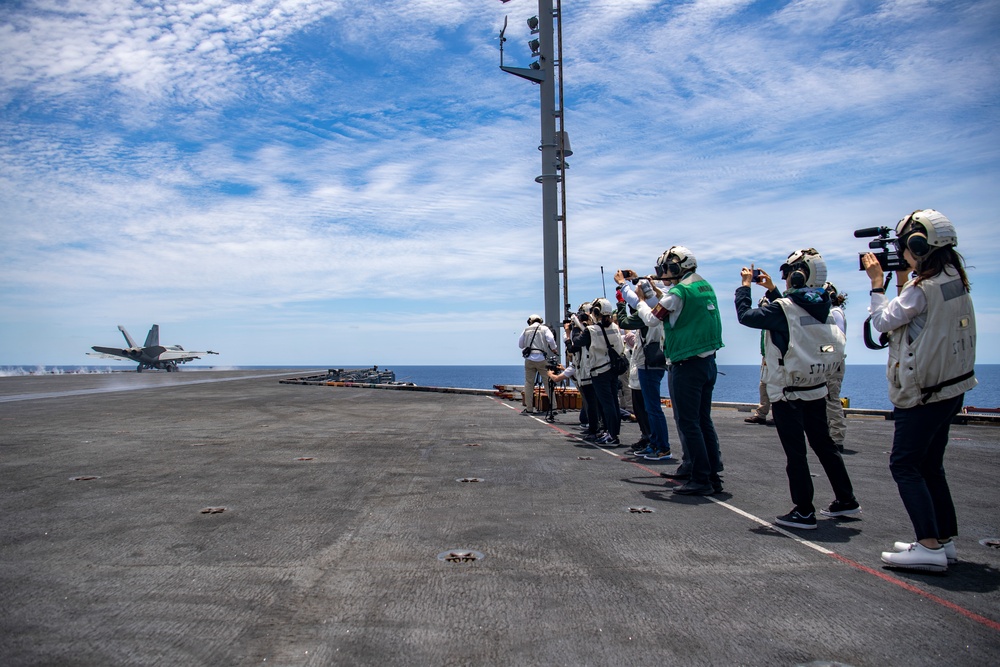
(322, 182)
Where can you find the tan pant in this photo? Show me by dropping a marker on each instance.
(765, 403)
(835, 411)
(530, 369)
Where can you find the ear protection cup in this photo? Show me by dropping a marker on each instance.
(917, 244)
(797, 280)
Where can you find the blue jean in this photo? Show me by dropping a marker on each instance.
(649, 381)
(693, 381)
(917, 466)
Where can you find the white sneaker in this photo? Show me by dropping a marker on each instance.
(917, 557)
(949, 550)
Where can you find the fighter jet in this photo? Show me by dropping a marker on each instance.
(151, 354)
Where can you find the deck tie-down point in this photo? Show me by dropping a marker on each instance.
(460, 556)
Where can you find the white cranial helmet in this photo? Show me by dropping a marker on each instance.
(676, 261)
(534, 318)
(924, 230)
(806, 267)
(603, 307)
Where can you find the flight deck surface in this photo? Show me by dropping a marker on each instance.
(222, 518)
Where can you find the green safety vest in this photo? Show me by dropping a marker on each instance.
(698, 328)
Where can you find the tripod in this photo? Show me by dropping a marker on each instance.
(550, 415)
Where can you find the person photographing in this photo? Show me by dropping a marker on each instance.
(931, 327)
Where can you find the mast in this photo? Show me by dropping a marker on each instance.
(554, 147)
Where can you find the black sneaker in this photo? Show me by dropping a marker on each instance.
(795, 520)
(839, 508)
(695, 489)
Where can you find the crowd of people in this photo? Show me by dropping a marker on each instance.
(669, 325)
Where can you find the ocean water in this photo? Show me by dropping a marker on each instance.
(864, 385)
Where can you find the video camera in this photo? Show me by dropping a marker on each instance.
(889, 260)
(552, 363)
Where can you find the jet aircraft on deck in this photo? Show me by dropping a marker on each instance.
(151, 354)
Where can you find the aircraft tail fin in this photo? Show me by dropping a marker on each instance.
(128, 339)
(153, 337)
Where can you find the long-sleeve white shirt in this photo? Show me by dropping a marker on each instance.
(910, 307)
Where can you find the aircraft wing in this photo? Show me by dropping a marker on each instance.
(181, 356)
(110, 353)
(103, 355)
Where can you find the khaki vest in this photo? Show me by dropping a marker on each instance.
(815, 354)
(938, 363)
(600, 361)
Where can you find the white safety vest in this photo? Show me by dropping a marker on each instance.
(938, 363)
(815, 354)
(600, 361)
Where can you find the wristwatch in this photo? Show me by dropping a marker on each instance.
(877, 290)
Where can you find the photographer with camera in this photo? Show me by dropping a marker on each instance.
(607, 361)
(692, 333)
(579, 362)
(649, 360)
(803, 347)
(931, 327)
(536, 343)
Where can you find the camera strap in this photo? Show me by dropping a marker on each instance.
(870, 343)
(532, 341)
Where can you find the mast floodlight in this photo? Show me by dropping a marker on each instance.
(533, 25)
(563, 149)
(534, 45)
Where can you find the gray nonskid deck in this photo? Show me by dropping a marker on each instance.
(338, 502)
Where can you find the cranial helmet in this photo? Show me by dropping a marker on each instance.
(675, 262)
(804, 268)
(924, 230)
(603, 307)
(534, 318)
(830, 288)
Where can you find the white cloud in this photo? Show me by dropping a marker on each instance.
(293, 163)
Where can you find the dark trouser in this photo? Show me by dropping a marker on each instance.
(590, 405)
(640, 412)
(917, 466)
(795, 421)
(606, 390)
(685, 467)
(650, 380)
(692, 382)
